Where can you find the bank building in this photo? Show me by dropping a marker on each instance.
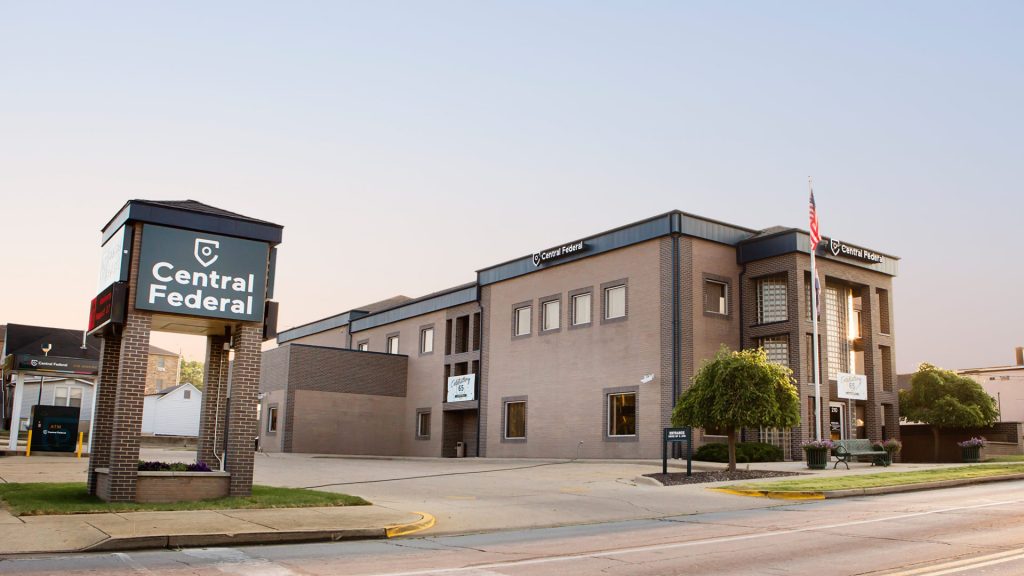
(581, 349)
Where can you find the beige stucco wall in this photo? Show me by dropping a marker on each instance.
(271, 442)
(335, 338)
(1007, 387)
(564, 373)
(340, 423)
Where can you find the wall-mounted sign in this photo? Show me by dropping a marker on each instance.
(840, 248)
(852, 386)
(115, 256)
(54, 428)
(200, 274)
(59, 364)
(647, 378)
(558, 252)
(108, 307)
(462, 388)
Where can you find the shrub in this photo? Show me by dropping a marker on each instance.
(745, 452)
(825, 444)
(155, 466)
(976, 442)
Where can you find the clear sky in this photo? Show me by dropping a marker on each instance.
(404, 145)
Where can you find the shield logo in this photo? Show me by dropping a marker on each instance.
(205, 251)
(834, 245)
(536, 259)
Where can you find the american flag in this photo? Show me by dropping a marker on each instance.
(815, 234)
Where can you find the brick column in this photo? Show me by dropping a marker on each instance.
(127, 422)
(211, 419)
(872, 363)
(242, 424)
(105, 399)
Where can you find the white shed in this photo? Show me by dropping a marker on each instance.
(173, 412)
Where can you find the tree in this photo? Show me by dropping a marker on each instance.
(944, 399)
(736, 390)
(191, 373)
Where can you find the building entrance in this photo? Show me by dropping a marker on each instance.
(837, 420)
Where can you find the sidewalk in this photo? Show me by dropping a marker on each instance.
(133, 530)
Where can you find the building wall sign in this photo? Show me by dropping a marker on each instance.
(852, 386)
(546, 256)
(461, 388)
(115, 256)
(840, 248)
(200, 274)
(58, 364)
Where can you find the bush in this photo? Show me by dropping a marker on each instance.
(745, 452)
(198, 466)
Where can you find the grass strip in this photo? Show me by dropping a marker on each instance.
(36, 499)
(882, 479)
(1010, 458)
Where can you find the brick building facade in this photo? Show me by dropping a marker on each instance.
(582, 349)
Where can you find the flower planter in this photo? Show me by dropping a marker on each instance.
(971, 454)
(817, 458)
(173, 486)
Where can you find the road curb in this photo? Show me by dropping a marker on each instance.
(426, 521)
(875, 491)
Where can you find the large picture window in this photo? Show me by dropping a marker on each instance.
(622, 414)
(772, 300)
(515, 420)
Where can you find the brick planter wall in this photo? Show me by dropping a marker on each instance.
(173, 486)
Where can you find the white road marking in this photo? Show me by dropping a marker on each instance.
(469, 570)
(233, 561)
(966, 564)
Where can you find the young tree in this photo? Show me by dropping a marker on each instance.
(736, 390)
(943, 399)
(192, 373)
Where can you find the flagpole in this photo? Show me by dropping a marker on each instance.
(814, 322)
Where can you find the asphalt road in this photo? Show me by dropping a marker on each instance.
(969, 530)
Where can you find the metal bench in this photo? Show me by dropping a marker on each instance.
(846, 450)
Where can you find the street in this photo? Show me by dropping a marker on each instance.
(969, 530)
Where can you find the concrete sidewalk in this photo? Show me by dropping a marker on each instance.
(134, 530)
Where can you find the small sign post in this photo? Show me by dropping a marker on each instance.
(677, 436)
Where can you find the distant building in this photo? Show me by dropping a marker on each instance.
(163, 371)
(173, 412)
(1005, 384)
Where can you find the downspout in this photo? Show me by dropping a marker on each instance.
(739, 304)
(479, 379)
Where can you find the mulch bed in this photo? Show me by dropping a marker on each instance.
(676, 478)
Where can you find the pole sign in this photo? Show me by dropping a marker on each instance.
(677, 436)
(461, 388)
(54, 428)
(58, 364)
(852, 386)
(108, 307)
(200, 274)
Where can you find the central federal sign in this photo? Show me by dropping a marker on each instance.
(200, 274)
(558, 252)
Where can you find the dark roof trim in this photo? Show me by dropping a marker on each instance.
(674, 222)
(430, 303)
(194, 216)
(317, 326)
(349, 350)
(793, 240)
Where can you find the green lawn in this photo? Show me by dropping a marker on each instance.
(1014, 458)
(882, 479)
(72, 498)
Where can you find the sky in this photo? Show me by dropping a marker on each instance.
(405, 145)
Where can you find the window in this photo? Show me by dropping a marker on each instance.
(716, 297)
(622, 414)
(272, 419)
(522, 320)
(581, 309)
(771, 300)
(75, 397)
(615, 302)
(426, 341)
(551, 315)
(60, 396)
(159, 382)
(423, 424)
(187, 394)
(776, 348)
(838, 302)
(515, 420)
(392, 344)
(160, 363)
(364, 346)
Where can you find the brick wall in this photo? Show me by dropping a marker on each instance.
(242, 423)
(106, 397)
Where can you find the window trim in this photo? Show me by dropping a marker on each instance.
(433, 339)
(624, 283)
(571, 313)
(361, 343)
(515, 319)
(419, 423)
(505, 401)
(607, 405)
(727, 282)
(541, 306)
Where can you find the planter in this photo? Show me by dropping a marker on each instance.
(817, 458)
(172, 486)
(971, 454)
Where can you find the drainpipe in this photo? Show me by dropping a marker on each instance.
(739, 303)
(479, 379)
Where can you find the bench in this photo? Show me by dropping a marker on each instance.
(846, 450)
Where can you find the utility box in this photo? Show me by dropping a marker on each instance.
(460, 449)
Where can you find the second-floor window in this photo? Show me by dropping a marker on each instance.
(772, 298)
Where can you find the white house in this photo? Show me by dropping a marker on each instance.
(57, 391)
(173, 411)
